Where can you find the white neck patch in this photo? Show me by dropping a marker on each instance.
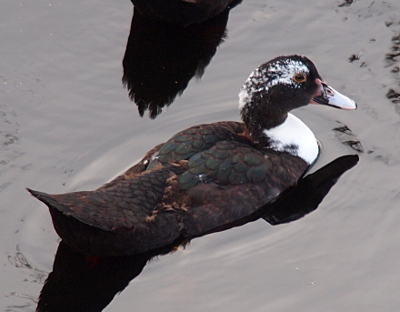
(294, 137)
(265, 77)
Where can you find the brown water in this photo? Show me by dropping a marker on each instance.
(66, 123)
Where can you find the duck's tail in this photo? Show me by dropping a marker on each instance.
(47, 199)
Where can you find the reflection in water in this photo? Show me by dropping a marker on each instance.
(161, 58)
(183, 12)
(81, 283)
(309, 192)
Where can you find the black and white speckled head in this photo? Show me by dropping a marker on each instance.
(274, 89)
(279, 71)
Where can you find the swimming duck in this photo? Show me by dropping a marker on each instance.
(183, 12)
(206, 176)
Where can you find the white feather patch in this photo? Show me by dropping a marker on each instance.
(294, 137)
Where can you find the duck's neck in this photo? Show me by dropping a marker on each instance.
(258, 118)
(294, 137)
(270, 126)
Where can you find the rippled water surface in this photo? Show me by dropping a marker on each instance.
(66, 123)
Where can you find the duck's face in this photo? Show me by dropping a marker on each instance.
(285, 83)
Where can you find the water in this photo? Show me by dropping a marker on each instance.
(67, 124)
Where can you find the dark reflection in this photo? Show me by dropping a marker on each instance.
(161, 58)
(183, 12)
(309, 192)
(81, 283)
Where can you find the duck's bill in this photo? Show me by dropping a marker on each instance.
(326, 95)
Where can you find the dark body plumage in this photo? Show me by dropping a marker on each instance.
(202, 178)
(206, 177)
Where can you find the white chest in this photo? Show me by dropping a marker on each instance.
(294, 137)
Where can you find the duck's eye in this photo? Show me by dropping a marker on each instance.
(300, 77)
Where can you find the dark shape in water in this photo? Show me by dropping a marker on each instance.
(343, 129)
(183, 12)
(354, 57)
(161, 58)
(393, 96)
(355, 145)
(345, 3)
(80, 283)
(309, 192)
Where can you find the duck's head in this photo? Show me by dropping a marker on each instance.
(283, 84)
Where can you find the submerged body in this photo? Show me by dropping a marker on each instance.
(205, 177)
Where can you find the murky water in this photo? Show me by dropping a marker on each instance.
(66, 123)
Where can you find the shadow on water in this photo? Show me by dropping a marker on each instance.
(82, 283)
(161, 58)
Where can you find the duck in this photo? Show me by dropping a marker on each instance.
(207, 176)
(183, 12)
